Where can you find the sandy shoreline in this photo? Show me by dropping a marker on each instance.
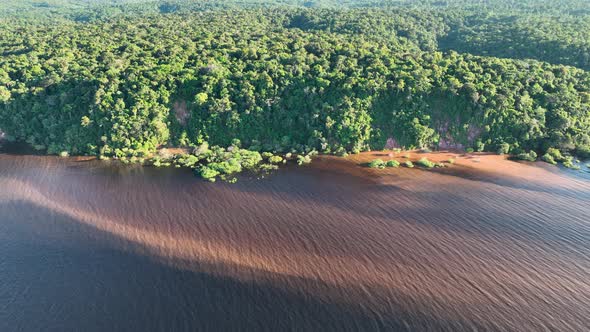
(483, 163)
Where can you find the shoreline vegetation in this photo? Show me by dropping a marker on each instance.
(250, 87)
(213, 163)
(225, 164)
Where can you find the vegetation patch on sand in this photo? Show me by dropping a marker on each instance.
(392, 164)
(224, 163)
(424, 162)
(377, 163)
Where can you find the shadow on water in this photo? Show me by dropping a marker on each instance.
(415, 250)
(509, 182)
(535, 216)
(55, 275)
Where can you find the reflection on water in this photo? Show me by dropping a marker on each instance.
(94, 246)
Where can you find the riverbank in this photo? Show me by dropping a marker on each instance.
(226, 163)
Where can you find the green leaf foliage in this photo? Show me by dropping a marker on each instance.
(124, 78)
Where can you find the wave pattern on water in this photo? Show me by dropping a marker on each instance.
(493, 246)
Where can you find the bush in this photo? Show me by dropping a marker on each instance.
(530, 156)
(409, 164)
(208, 173)
(190, 161)
(218, 162)
(548, 158)
(229, 166)
(341, 152)
(250, 159)
(392, 163)
(569, 163)
(268, 167)
(479, 146)
(275, 159)
(301, 159)
(504, 148)
(236, 142)
(555, 154)
(203, 148)
(377, 163)
(424, 162)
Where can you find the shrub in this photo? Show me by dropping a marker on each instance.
(548, 158)
(236, 142)
(188, 160)
(377, 163)
(201, 149)
(229, 166)
(303, 159)
(208, 174)
(469, 150)
(268, 167)
(479, 146)
(555, 154)
(275, 159)
(392, 163)
(569, 163)
(250, 159)
(424, 162)
(451, 161)
(341, 152)
(503, 148)
(409, 164)
(530, 156)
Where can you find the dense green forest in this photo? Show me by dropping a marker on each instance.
(124, 78)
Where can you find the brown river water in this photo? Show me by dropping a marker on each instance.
(484, 245)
